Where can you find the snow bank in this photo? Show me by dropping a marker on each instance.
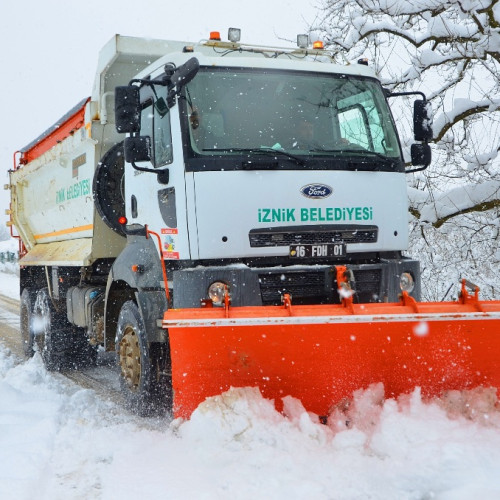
(9, 281)
(61, 441)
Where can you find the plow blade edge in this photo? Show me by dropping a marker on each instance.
(321, 354)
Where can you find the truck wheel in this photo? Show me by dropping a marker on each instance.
(141, 380)
(26, 320)
(47, 334)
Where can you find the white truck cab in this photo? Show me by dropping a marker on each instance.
(201, 174)
(275, 165)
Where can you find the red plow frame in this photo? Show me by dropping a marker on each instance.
(320, 354)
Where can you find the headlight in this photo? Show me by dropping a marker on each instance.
(216, 292)
(406, 282)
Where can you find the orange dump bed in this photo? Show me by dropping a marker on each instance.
(65, 126)
(321, 354)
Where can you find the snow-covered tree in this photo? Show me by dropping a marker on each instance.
(4, 234)
(450, 50)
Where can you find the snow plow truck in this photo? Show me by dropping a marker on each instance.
(229, 215)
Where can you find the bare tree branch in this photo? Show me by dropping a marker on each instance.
(450, 50)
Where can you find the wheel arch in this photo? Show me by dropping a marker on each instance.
(117, 293)
(144, 288)
(32, 277)
(151, 303)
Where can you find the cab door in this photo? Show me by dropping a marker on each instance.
(156, 197)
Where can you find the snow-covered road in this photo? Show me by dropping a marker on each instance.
(61, 441)
(9, 318)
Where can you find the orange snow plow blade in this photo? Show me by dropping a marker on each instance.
(320, 354)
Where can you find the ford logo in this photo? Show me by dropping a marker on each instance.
(316, 191)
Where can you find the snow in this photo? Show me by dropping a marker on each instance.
(462, 107)
(9, 284)
(60, 441)
(454, 200)
(9, 280)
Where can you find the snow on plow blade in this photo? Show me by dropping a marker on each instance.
(321, 354)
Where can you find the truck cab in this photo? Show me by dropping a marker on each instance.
(273, 171)
(202, 176)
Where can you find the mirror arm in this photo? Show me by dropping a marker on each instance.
(145, 81)
(172, 93)
(143, 169)
(388, 93)
(163, 175)
(419, 169)
(174, 79)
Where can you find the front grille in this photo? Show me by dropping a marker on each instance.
(318, 287)
(280, 237)
(367, 284)
(304, 287)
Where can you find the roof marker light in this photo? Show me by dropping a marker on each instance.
(234, 35)
(303, 41)
(215, 35)
(318, 45)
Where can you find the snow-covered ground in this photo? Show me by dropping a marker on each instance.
(9, 271)
(59, 441)
(9, 284)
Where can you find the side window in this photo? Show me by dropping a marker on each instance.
(157, 127)
(361, 123)
(354, 126)
(162, 139)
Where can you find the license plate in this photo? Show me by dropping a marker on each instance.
(323, 250)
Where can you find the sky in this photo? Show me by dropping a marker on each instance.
(49, 50)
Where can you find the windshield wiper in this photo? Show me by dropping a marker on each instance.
(366, 152)
(300, 161)
(264, 150)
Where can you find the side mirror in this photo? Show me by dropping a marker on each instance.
(137, 148)
(127, 109)
(185, 73)
(421, 154)
(422, 120)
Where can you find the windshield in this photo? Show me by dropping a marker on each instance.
(236, 110)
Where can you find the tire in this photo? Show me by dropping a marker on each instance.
(26, 321)
(48, 336)
(143, 380)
